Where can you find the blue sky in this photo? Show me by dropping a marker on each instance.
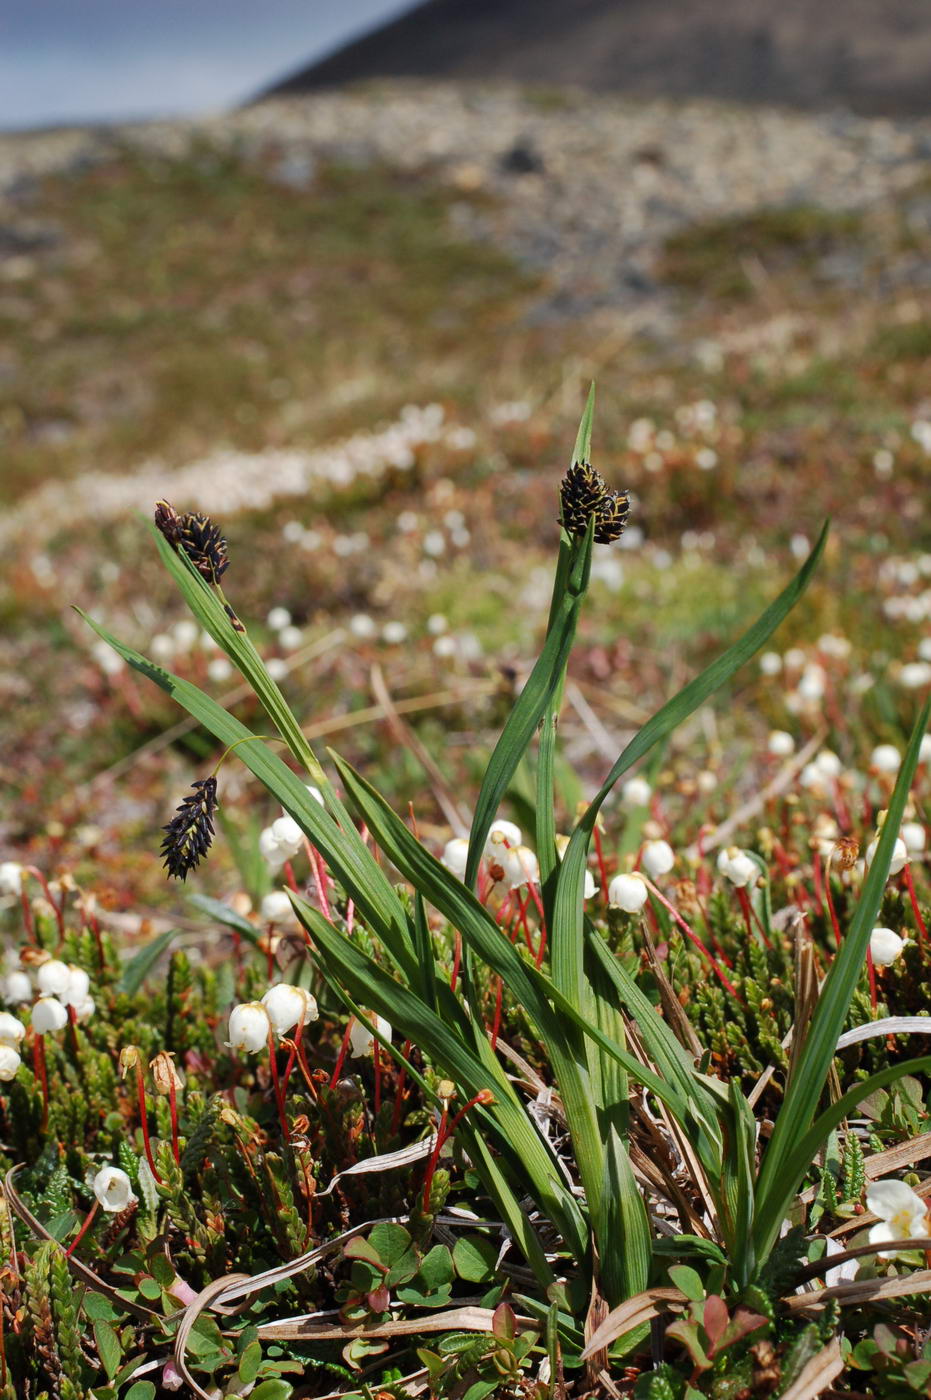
(86, 60)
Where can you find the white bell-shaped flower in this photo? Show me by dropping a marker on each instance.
(11, 877)
(54, 978)
(270, 850)
(502, 832)
(885, 946)
(657, 858)
(48, 1014)
(738, 867)
(286, 1006)
(780, 743)
(903, 1214)
(12, 1029)
(288, 835)
(17, 987)
(249, 1027)
(914, 836)
(885, 758)
(636, 792)
(455, 854)
(78, 988)
(628, 892)
(361, 1038)
(113, 1189)
(9, 1062)
(277, 907)
(899, 855)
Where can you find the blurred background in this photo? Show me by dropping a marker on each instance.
(340, 274)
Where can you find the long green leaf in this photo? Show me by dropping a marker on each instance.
(806, 1083)
(141, 964)
(342, 961)
(622, 1227)
(522, 722)
(350, 860)
(567, 941)
(223, 914)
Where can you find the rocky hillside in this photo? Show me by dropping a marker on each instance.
(862, 55)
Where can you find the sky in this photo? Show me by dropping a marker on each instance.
(88, 60)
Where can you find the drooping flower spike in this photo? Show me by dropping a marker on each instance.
(190, 831)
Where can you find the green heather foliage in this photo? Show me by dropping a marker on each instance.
(550, 1127)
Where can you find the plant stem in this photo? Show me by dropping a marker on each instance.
(910, 886)
(144, 1121)
(83, 1230)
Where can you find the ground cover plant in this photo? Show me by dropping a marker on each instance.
(479, 1116)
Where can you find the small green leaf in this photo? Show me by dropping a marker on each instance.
(688, 1282)
(436, 1268)
(390, 1242)
(108, 1347)
(138, 968)
(475, 1257)
(249, 1363)
(142, 1390)
(272, 1390)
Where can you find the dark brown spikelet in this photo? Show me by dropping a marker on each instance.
(168, 521)
(204, 545)
(190, 831)
(583, 493)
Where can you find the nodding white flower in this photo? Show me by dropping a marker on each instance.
(54, 978)
(12, 1029)
(9, 1062)
(288, 834)
(85, 1008)
(636, 792)
(811, 683)
(48, 1014)
(914, 836)
(903, 1214)
(270, 850)
(524, 859)
(738, 867)
(11, 877)
(113, 1189)
(924, 750)
(278, 618)
(628, 892)
(17, 987)
(770, 663)
(780, 743)
(361, 1039)
(885, 946)
(249, 1027)
(455, 854)
(899, 855)
(286, 1005)
(657, 858)
(277, 907)
(885, 758)
(78, 989)
(828, 763)
(502, 832)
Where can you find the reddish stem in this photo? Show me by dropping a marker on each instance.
(289, 876)
(83, 1230)
(434, 1158)
(341, 1057)
(59, 916)
(602, 868)
(835, 925)
(872, 972)
(144, 1120)
(376, 1057)
(751, 916)
(910, 886)
(320, 879)
(457, 959)
(276, 1084)
(693, 937)
(399, 1090)
(298, 1032)
(27, 916)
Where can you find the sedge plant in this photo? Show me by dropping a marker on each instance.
(598, 1032)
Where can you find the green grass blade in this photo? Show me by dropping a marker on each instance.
(223, 914)
(622, 1227)
(582, 452)
(496, 1184)
(802, 1153)
(350, 859)
(807, 1082)
(521, 724)
(370, 985)
(566, 944)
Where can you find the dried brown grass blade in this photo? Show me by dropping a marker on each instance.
(643, 1307)
(679, 1023)
(468, 1319)
(205, 1298)
(817, 1374)
(867, 1290)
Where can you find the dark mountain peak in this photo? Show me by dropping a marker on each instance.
(873, 56)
